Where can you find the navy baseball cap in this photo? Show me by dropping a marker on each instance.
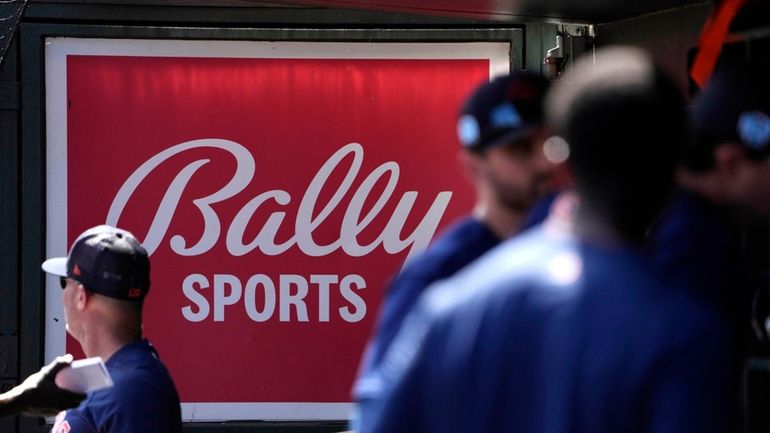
(735, 107)
(106, 260)
(502, 110)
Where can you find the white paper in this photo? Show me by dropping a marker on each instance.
(84, 375)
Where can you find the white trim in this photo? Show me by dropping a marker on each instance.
(266, 411)
(56, 193)
(496, 52)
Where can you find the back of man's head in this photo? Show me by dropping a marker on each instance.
(624, 121)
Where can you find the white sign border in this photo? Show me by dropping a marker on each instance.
(56, 51)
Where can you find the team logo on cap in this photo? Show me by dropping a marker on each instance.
(135, 293)
(505, 116)
(468, 130)
(754, 129)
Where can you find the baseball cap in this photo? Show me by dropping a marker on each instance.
(502, 110)
(735, 107)
(106, 260)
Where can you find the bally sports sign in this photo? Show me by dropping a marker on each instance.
(277, 186)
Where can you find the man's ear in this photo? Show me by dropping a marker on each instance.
(83, 298)
(469, 163)
(728, 158)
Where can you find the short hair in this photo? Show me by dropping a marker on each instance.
(625, 123)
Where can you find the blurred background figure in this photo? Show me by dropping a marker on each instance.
(501, 131)
(701, 243)
(564, 328)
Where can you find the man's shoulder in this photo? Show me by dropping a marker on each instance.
(143, 395)
(135, 384)
(140, 370)
(456, 246)
(137, 360)
(501, 295)
(692, 220)
(516, 267)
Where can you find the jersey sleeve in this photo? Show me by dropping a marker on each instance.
(394, 388)
(72, 422)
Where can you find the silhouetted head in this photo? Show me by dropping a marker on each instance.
(624, 121)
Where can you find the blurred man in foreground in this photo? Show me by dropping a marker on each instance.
(501, 131)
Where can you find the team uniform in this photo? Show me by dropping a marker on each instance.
(550, 334)
(694, 247)
(506, 112)
(142, 399)
(461, 244)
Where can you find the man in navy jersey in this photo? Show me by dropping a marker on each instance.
(563, 328)
(501, 131)
(105, 279)
(726, 169)
(705, 242)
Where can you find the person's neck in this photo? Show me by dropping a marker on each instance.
(706, 185)
(502, 222)
(104, 341)
(595, 228)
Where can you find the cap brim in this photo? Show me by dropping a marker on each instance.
(56, 266)
(511, 136)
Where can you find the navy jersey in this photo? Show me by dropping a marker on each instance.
(695, 248)
(142, 399)
(454, 249)
(461, 244)
(549, 334)
(540, 210)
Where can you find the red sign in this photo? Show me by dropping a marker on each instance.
(277, 197)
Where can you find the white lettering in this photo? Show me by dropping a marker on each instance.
(244, 172)
(250, 298)
(305, 223)
(265, 240)
(291, 297)
(198, 299)
(221, 281)
(346, 289)
(307, 219)
(297, 299)
(324, 282)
